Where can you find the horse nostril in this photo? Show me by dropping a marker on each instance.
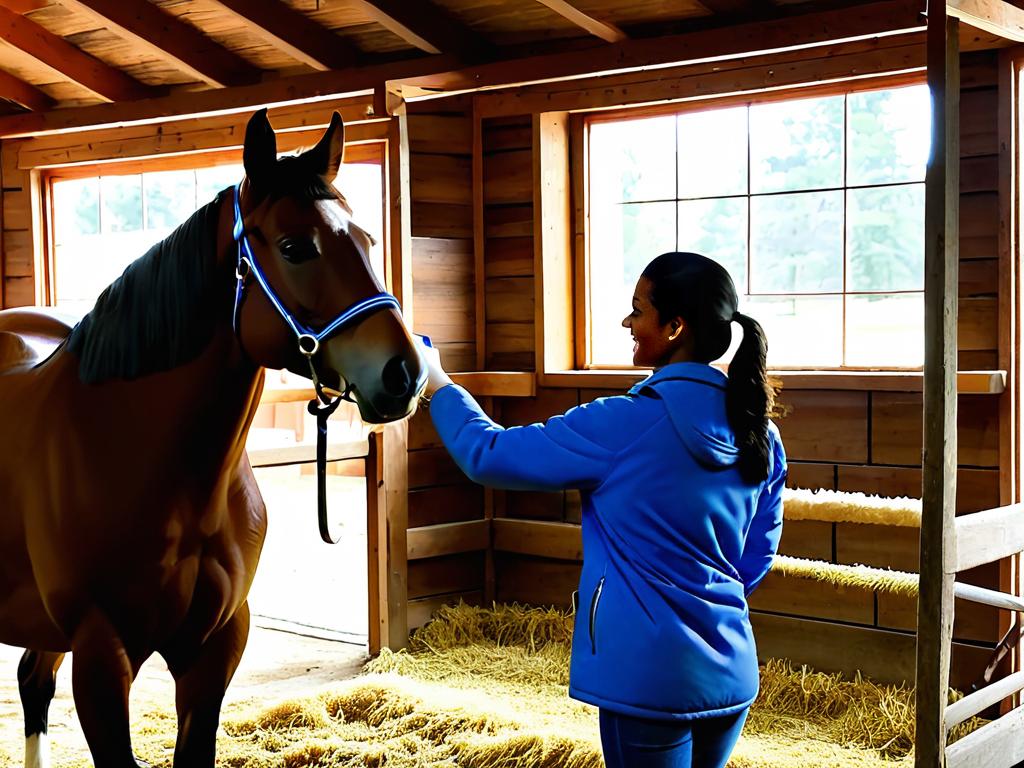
(396, 378)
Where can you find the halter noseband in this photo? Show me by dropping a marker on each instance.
(308, 342)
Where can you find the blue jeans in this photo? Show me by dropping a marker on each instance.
(633, 742)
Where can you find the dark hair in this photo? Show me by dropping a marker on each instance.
(700, 291)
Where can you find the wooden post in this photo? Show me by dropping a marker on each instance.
(387, 520)
(938, 544)
(479, 239)
(552, 243)
(1009, 320)
(399, 262)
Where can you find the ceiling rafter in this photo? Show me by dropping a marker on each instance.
(24, 6)
(170, 38)
(424, 25)
(57, 53)
(294, 33)
(602, 29)
(734, 7)
(22, 93)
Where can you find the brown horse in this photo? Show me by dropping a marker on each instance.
(130, 520)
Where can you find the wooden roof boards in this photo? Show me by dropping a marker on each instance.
(155, 59)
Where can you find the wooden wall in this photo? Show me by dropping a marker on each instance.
(851, 440)
(444, 295)
(18, 229)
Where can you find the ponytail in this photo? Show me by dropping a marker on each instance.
(749, 399)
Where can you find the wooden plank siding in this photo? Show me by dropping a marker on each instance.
(507, 148)
(853, 440)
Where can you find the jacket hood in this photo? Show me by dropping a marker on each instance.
(694, 396)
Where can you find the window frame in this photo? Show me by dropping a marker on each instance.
(369, 152)
(580, 207)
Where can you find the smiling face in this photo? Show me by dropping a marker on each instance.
(655, 344)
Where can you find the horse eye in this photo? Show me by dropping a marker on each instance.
(298, 250)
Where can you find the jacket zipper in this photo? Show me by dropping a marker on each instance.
(593, 615)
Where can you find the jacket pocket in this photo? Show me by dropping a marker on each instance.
(594, 600)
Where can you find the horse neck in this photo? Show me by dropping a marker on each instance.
(203, 406)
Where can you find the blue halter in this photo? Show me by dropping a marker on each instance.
(309, 344)
(308, 339)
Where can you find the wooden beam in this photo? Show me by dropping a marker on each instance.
(858, 22)
(387, 512)
(865, 21)
(538, 538)
(25, 6)
(993, 16)
(729, 7)
(552, 243)
(448, 539)
(1009, 292)
(22, 93)
(74, 64)
(294, 33)
(985, 537)
(602, 29)
(938, 540)
(428, 27)
(998, 744)
(170, 38)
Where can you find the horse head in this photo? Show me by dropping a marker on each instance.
(322, 313)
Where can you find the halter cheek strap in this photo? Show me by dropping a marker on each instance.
(308, 342)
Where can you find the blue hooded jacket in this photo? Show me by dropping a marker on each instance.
(673, 539)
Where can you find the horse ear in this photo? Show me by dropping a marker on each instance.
(326, 157)
(260, 152)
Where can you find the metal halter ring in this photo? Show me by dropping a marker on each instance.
(306, 339)
(243, 269)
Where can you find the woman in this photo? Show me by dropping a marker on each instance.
(681, 480)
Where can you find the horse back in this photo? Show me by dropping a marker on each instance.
(28, 336)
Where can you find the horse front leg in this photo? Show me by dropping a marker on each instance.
(101, 675)
(37, 678)
(201, 679)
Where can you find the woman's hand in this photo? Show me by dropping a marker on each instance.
(436, 377)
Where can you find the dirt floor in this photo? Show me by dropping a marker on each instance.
(277, 665)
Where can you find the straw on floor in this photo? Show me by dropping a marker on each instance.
(486, 688)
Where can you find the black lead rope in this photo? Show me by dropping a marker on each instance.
(322, 413)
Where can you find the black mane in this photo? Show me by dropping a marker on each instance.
(159, 313)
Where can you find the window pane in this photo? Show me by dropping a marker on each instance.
(718, 230)
(796, 145)
(210, 181)
(796, 243)
(170, 198)
(632, 160)
(624, 238)
(885, 330)
(121, 198)
(885, 238)
(713, 153)
(802, 331)
(76, 207)
(888, 135)
(363, 187)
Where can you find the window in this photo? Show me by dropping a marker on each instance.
(815, 206)
(103, 222)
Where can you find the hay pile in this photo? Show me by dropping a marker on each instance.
(487, 689)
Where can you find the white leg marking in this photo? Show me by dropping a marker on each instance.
(37, 751)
